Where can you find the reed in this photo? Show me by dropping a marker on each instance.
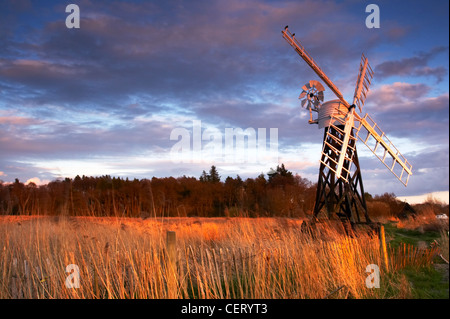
(215, 258)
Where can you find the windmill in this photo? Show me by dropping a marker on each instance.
(340, 188)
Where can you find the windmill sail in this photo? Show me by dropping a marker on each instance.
(362, 87)
(345, 140)
(289, 37)
(362, 83)
(338, 147)
(376, 140)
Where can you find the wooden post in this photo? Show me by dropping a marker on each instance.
(15, 281)
(383, 247)
(171, 242)
(171, 264)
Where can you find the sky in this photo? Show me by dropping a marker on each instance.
(143, 85)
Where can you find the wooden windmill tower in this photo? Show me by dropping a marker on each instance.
(340, 188)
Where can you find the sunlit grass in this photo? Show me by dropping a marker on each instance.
(215, 258)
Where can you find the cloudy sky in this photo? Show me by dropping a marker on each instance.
(106, 98)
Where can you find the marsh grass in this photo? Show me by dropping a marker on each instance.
(215, 258)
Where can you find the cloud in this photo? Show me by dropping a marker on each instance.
(406, 110)
(414, 66)
(47, 139)
(430, 173)
(37, 181)
(16, 120)
(109, 94)
(391, 95)
(132, 48)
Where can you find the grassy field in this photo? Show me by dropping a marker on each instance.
(431, 281)
(213, 258)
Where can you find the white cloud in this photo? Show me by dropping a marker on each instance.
(442, 197)
(37, 181)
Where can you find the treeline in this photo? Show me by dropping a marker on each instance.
(280, 194)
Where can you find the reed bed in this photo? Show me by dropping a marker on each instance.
(407, 255)
(215, 258)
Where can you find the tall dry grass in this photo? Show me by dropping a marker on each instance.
(443, 244)
(215, 258)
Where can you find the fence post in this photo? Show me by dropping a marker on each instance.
(15, 284)
(171, 247)
(383, 247)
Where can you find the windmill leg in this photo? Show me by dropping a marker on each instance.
(328, 184)
(318, 196)
(351, 206)
(358, 183)
(355, 195)
(321, 194)
(343, 198)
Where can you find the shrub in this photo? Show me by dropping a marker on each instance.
(378, 209)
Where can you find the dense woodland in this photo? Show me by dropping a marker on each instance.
(282, 194)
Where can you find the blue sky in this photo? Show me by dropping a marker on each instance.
(104, 99)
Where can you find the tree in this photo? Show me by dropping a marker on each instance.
(203, 177)
(233, 191)
(282, 178)
(281, 195)
(214, 175)
(368, 197)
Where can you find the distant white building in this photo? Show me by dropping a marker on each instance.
(442, 216)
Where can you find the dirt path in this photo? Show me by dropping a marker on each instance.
(443, 269)
(422, 244)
